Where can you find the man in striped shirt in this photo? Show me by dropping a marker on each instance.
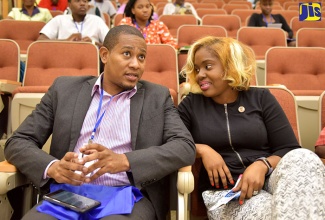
(115, 130)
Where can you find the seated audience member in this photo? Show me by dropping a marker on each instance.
(139, 142)
(180, 7)
(138, 13)
(54, 5)
(98, 6)
(30, 12)
(242, 131)
(266, 17)
(77, 26)
(253, 2)
(320, 145)
(121, 9)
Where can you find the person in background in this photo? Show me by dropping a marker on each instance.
(138, 13)
(266, 17)
(253, 3)
(77, 26)
(242, 131)
(320, 145)
(139, 141)
(30, 12)
(121, 9)
(180, 7)
(103, 6)
(60, 5)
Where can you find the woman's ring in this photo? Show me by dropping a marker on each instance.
(255, 192)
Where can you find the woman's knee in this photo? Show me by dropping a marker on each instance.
(301, 155)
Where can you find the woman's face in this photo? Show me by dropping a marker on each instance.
(266, 7)
(209, 75)
(142, 10)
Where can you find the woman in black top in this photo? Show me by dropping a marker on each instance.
(266, 17)
(242, 130)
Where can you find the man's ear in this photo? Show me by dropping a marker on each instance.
(103, 52)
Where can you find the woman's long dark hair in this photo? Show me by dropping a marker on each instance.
(128, 10)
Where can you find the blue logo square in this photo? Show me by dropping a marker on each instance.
(311, 11)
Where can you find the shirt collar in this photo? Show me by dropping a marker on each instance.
(97, 86)
(81, 21)
(35, 11)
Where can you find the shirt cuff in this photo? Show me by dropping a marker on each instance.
(45, 176)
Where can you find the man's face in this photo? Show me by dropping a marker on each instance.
(78, 7)
(124, 64)
(54, 2)
(29, 3)
(179, 2)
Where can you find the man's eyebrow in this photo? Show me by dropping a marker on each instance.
(143, 50)
(128, 47)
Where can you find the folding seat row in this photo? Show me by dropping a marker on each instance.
(23, 32)
(231, 22)
(296, 24)
(47, 60)
(300, 70)
(9, 81)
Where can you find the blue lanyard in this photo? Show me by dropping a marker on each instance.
(99, 120)
(136, 24)
(82, 23)
(264, 19)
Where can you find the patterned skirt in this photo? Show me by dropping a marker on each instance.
(295, 190)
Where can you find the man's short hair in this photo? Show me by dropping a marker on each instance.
(112, 37)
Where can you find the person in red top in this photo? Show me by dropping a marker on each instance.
(138, 13)
(60, 5)
(320, 145)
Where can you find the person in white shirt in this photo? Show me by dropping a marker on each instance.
(77, 26)
(180, 7)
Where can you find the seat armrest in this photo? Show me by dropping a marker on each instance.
(8, 86)
(185, 185)
(10, 178)
(185, 180)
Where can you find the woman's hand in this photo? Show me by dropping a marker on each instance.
(252, 180)
(214, 165)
